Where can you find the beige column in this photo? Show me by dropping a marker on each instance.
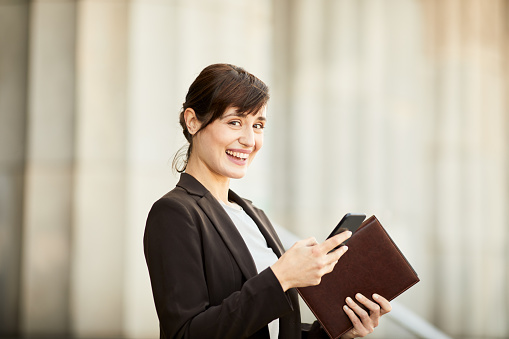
(448, 200)
(152, 137)
(49, 174)
(485, 171)
(279, 178)
(99, 214)
(307, 153)
(14, 23)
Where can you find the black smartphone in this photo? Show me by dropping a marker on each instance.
(350, 222)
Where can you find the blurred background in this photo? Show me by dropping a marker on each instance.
(398, 108)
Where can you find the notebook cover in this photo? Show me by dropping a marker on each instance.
(372, 264)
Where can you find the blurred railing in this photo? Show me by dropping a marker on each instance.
(413, 323)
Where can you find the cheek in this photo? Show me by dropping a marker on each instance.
(219, 141)
(259, 141)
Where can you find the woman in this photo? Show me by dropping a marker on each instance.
(216, 264)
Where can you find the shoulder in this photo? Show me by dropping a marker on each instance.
(173, 217)
(176, 203)
(176, 210)
(176, 197)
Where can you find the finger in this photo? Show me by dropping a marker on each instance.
(334, 241)
(385, 305)
(358, 328)
(332, 263)
(361, 314)
(373, 307)
(370, 305)
(337, 254)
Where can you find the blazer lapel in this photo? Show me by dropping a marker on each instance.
(229, 233)
(222, 222)
(266, 228)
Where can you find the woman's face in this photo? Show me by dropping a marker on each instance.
(227, 146)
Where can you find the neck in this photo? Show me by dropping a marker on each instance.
(217, 185)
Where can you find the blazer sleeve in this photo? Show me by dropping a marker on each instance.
(313, 331)
(172, 245)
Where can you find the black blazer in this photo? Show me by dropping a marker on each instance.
(204, 280)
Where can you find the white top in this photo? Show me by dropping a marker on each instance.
(262, 254)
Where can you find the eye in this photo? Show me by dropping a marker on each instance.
(259, 125)
(235, 123)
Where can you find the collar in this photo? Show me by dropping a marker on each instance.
(191, 185)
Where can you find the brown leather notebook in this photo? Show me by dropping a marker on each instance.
(372, 264)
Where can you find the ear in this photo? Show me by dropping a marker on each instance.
(192, 123)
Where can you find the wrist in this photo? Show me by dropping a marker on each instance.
(280, 277)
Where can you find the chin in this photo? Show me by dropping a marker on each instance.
(238, 174)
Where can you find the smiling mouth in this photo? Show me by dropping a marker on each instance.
(238, 155)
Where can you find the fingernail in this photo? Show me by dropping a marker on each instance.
(376, 296)
(349, 233)
(345, 248)
(359, 296)
(345, 308)
(349, 300)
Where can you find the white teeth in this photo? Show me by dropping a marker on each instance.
(238, 154)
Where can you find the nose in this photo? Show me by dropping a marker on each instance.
(247, 137)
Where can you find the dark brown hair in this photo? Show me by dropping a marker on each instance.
(217, 88)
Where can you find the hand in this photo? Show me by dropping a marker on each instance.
(363, 322)
(306, 261)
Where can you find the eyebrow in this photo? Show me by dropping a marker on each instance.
(237, 114)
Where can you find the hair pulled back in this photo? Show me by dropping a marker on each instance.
(217, 88)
